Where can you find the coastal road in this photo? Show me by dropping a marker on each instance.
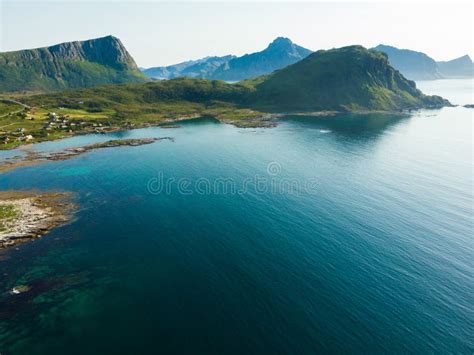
(24, 107)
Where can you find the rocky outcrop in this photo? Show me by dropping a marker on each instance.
(35, 215)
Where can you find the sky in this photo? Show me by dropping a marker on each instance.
(161, 33)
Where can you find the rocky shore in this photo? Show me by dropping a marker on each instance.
(29, 215)
(34, 158)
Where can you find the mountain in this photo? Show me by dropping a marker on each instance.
(68, 65)
(413, 65)
(350, 78)
(279, 54)
(459, 67)
(200, 68)
(345, 79)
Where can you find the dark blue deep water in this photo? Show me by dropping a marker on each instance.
(343, 234)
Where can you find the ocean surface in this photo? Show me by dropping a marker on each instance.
(340, 234)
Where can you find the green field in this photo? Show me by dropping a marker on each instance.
(7, 213)
(7, 108)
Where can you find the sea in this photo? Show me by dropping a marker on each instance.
(343, 234)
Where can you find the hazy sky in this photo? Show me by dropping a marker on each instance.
(160, 33)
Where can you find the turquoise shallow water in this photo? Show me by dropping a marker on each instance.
(347, 234)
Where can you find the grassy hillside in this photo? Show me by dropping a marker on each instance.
(350, 78)
(68, 65)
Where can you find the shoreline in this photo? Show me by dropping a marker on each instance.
(263, 120)
(33, 214)
(27, 215)
(35, 158)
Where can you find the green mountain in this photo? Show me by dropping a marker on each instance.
(459, 67)
(279, 54)
(68, 65)
(349, 78)
(413, 65)
(201, 68)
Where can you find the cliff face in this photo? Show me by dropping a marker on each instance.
(68, 65)
(107, 51)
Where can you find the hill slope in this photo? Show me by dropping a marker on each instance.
(349, 78)
(279, 54)
(68, 65)
(413, 65)
(459, 67)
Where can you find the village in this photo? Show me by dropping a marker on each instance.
(49, 123)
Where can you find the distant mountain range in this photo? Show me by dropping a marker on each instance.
(279, 54)
(419, 66)
(459, 67)
(68, 65)
(201, 68)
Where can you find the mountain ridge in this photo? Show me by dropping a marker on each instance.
(413, 65)
(192, 68)
(419, 66)
(458, 67)
(278, 54)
